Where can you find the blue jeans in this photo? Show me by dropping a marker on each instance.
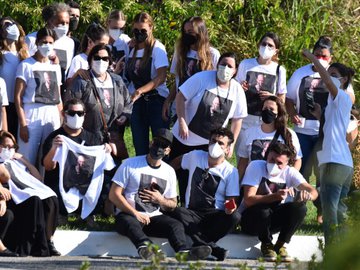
(146, 113)
(335, 181)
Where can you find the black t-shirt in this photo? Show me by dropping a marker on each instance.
(52, 177)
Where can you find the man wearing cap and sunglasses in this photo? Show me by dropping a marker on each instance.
(142, 186)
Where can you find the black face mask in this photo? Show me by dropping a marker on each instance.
(73, 24)
(189, 39)
(140, 36)
(156, 152)
(268, 116)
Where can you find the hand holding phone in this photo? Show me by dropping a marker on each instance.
(230, 204)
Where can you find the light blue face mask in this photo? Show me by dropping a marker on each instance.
(13, 32)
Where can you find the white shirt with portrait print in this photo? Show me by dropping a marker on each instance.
(204, 84)
(159, 60)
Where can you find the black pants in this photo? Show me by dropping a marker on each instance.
(160, 226)
(264, 220)
(5, 222)
(178, 149)
(206, 227)
(35, 222)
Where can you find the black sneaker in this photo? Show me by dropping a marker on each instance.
(199, 253)
(145, 253)
(219, 253)
(52, 250)
(8, 253)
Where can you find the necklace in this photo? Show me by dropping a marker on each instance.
(101, 82)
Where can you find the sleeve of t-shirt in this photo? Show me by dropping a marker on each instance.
(282, 81)
(22, 72)
(173, 64)
(160, 57)
(242, 150)
(342, 100)
(187, 159)
(171, 192)
(253, 174)
(241, 105)
(296, 144)
(292, 87)
(295, 178)
(58, 74)
(5, 101)
(121, 176)
(215, 55)
(192, 85)
(232, 184)
(241, 73)
(74, 66)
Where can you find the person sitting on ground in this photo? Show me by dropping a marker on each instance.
(213, 187)
(141, 187)
(265, 209)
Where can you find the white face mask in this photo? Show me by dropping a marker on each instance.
(7, 153)
(74, 122)
(266, 52)
(46, 49)
(273, 169)
(115, 33)
(61, 30)
(324, 63)
(224, 73)
(215, 150)
(13, 32)
(336, 81)
(99, 66)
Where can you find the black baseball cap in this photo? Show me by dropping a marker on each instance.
(164, 134)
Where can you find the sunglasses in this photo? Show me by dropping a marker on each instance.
(323, 57)
(104, 58)
(72, 113)
(264, 44)
(139, 31)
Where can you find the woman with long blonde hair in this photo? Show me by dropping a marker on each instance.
(146, 72)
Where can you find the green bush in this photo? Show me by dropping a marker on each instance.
(233, 25)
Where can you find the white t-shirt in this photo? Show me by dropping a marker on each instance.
(337, 117)
(23, 185)
(208, 106)
(42, 81)
(64, 48)
(121, 45)
(135, 174)
(8, 72)
(249, 70)
(3, 93)
(78, 62)
(305, 81)
(81, 174)
(254, 143)
(256, 175)
(208, 191)
(158, 60)
(30, 41)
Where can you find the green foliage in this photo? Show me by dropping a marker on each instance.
(233, 25)
(85, 266)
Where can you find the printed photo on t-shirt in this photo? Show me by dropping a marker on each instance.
(257, 82)
(268, 187)
(152, 183)
(203, 188)
(116, 54)
(107, 97)
(311, 91)
(138, 73)
(47, 87)
(211, 113)
(62, 55)
(18, 183)
(258, 149)
(191, 67)
(78, 171)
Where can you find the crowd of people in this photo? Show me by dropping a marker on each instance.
(66, 104)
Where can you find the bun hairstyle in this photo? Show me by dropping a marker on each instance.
(324, 42)
(345, 72)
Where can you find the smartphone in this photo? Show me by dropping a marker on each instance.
(309, 98)
(230, 204)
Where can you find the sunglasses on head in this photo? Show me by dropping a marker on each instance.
(140, 31)
(72, 113)
(104, 58)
